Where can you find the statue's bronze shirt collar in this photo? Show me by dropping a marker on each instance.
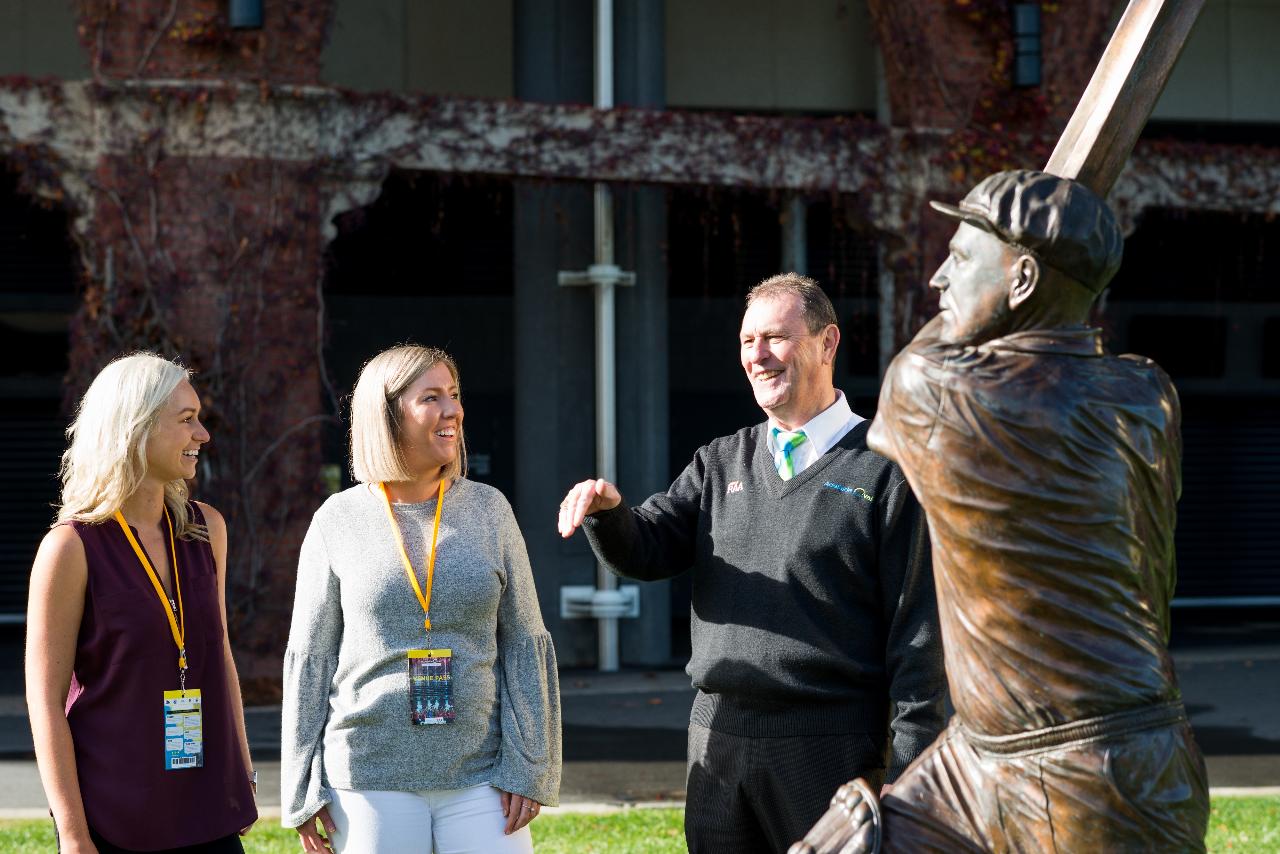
(1069, 341)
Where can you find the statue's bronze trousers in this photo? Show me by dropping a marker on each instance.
(1128, 782)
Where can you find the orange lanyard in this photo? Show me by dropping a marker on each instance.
(423, 599)
(177, 625)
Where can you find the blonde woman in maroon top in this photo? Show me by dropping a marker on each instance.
(133, 695)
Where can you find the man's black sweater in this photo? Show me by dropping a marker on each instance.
(813, 601)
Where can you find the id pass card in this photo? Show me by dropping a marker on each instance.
(183, 730)
(431, 686)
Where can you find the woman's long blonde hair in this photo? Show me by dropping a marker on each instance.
(376, 417)
(106, 458)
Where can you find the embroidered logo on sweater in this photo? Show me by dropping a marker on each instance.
(850, 490)
(734, 486)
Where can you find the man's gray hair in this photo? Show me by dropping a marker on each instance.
(819, 313)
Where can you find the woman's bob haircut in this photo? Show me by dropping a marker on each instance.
(106, 457)
(376, 417)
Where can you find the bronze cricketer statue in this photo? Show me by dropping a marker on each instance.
(1050, 471)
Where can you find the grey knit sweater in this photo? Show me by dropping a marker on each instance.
(346, 708)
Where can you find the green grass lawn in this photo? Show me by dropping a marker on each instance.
(1236, 826)
(646, 831)
(1244, 826)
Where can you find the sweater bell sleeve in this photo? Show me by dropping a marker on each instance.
(310, 660)
(529, 759)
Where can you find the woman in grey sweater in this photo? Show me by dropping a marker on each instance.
(421, 702)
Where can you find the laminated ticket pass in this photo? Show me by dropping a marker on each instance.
(431, 686)
(183, 730)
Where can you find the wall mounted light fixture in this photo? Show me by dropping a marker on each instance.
(244, 14)
(1026, 44)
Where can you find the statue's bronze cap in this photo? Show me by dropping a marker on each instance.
(1061, 222)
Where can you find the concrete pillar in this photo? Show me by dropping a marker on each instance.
(643, 427)
(795, 258)
(555, 428)
(554, 331)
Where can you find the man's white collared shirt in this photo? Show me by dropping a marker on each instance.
(821, 433)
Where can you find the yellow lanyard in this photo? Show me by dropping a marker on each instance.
(179, 625)
(423, 599)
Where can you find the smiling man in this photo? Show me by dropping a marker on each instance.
(814, 638)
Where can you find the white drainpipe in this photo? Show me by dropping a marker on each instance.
(606, 602)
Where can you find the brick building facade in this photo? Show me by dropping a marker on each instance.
(229, 203)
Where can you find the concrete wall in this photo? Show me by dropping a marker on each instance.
(810, 55)
(38, 39)
(1229, 68)
(438, 47)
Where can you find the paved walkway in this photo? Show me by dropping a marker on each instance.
(624, 733)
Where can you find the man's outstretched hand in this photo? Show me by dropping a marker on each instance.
(590, 496)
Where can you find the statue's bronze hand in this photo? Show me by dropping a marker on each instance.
(851, 825)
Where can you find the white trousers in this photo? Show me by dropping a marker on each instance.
(458, 821)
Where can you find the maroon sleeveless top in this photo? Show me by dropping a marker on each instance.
(125, 660)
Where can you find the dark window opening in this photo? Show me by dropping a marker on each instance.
(427, 234)
(40, 339)
(430, 262)
(37, 256)
(1193, 285)
(1271, 347)
(31, 444)
(843, 254)
(1185, 346)
(844, 257)
(721, 243)
(860, 344)
(1218, 133)
(1228, 535)
(39, 268)
(1200, 256)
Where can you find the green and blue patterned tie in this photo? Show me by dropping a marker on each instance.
(787, 443)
